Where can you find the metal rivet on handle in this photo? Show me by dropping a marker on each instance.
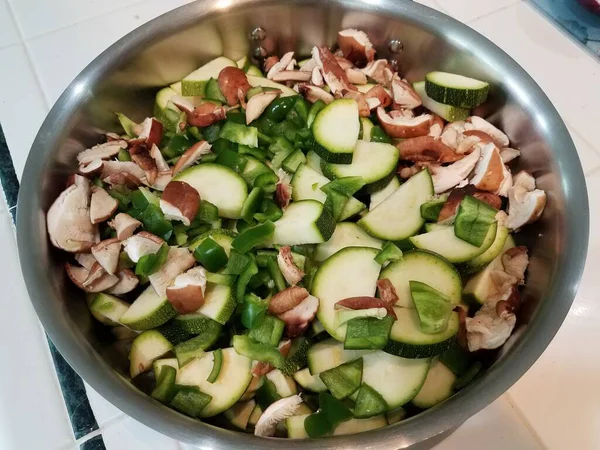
(395, 46)
(259, 53)
(258, 34)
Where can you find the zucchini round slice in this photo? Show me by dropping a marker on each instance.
(438, 386)
(195, 83)
(304, 222)
(346, 234)
(447, 112)
(336, 130)
(497, 247)
(456, 90)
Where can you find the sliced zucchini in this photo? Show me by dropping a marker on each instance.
(346, 234)
(396, 379)
(330, 353)
(438, 386)
(375, 162)
(295, 427)
(409, 341)
(354, 263)
(195, 347)
(445, 243)
(239, 414)
(314, 162)
(256, 413)
(195, 82)
(159, 363)
(284, 386)
(108, 309)
(233, 380)
(398, 216)
(254, 71)
(395, 415)
(366, 126)
(306, 185)
(147, 347)
(497, 247)
(447, 112)
(309, 382)
(345, 315)
(219, 303)
(254, 386)
(149, 310)
(253, 169)
(218, 185)
(336, 129)
(456, 90)
(380, 196)
(354, 426)
(221, 236)
(260, 80)
(304, 222)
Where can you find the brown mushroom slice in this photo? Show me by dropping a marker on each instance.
(186, 294)
(68, 219)
(127, 283)
(314, 93)
(151, 131)
(309, 65)
(491, 326)
(258, 103)
(515, 261)
(180, 201)
(101, 151)
(92, 168)
(141, 156)
(292, 274)
(191, 156)
(281, 65)
(489, 171)
(387, 291)
(102, 205)
(525, 180)
(94, 280)
(316, 77)
(404, 127)
(377, 96)
(445, 178)
(299, 317)
(333, 74)
(524, 206)
(291, 75)
(123, 179)
(124, 225)
(231, 81)
(478, 123)
(162, 180)
(202, 115)
(178, 261)
(508, 154)
(283, 189)
(343, 62)
(118, 167)
(77, 274)
(379, 71)
(356, 46)
(141, 244)
(287, 299)
(365, 302)
(107, 253)
(159, 159)
(403, 93)
(507, 182)
(437, 126)
(356, 76)
(426, 149)
(86, 260)
(453, 134)
(269, 62)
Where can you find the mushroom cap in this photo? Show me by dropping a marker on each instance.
(515, 261)
(446, 178)
(356, 46)
(478, 123)
(117, 167)
(315, 93)
(94, 280)
(333, 74)
(202, 115)
(404, 127)
(107, 254)
(102, 205)
(280, 65)
(152, 132)
(427, 149)
(180, 201)
(403, 93)
(101, 151)
(258, 103)
(528, 210)
(489, 171)
(124, 225)
(68, 219)
(187, 292)
(297, 319)
(292, 274)
(379, 71)
(178, 261)
(231, 81)
(92, 168)
(141, 244)
(127, 283)
(161, 164)
(141, 156)
(356, 76)
(378, 96)
(191, 156)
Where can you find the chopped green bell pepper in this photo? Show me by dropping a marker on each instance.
(210, 255)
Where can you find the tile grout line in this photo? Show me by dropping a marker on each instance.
(519, 412)
(489, 13)
(101, 429)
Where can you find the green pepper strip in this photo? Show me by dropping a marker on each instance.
(242, 283)
(378, 135)
(276, 274)
(279, 108)
(243, 345)
(253, 311)
(254, 236)
(211, 255)
(150, 263)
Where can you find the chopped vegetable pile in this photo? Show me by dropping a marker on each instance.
(318, 249)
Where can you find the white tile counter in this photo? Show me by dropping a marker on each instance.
(44, 44)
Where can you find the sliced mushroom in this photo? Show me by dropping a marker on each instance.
(180, 201)
(275, 413)
(403, 93)
(525, 203)
(507, 182)
(202, 115)
(283, 192)
(110, 168)
(86, 260)
(291, 75)
(478, 123)
(92, 168)
(524, 180)
(356, 76)
(68, 219)
(379, 71)
(258, 103)
(404, 127)
(159, 159)
(270, 62)
(309, 65)
(152, 132)
(94, 280)
(426, 149)
(102, 205)
(186, 294)
(445, 178)
(453, 134)
(508, 154)
(124, 225)
(366, 302)
(489, 171)
(141, 244)
(191, 156)
(281, 65)
(333, 74)
(437, 125)
(231, 81)
(123, 179)
(178, 261)
(101, 151)
(515, 261)
(287, 299)
(356, 46)
(387, 291)
(127, 283)
(316, 78)
(141, 156)
(314, 93)
(107, 254)
(292, 274)
(359, 97)
(343, 62)
(377, 96)
(298, 318)
(162, 180)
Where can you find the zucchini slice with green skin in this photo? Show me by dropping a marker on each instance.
(456, 90)
(231, 384)
(428, 268)
(108, 309)
(380, 196)
(304, 222)
(195, 347)
(328, 354)
(447, 112)
(366, 126)
(375, 162)
(352, 263)
(256, 80)
(147, 347)
(408, 340)
(195, 82)
(396, 379)
(284, 386)
(295, 426)
(217, 365)
(219, 303)
(306, 185)
(336, 130)
(346, 234)
(219, 185)
(149, 310)
(438, 386)
(497, 248)
(239, 414)
(159, 363)
(445, 243)
(398, 216)
(314, 162)
(309, 382)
